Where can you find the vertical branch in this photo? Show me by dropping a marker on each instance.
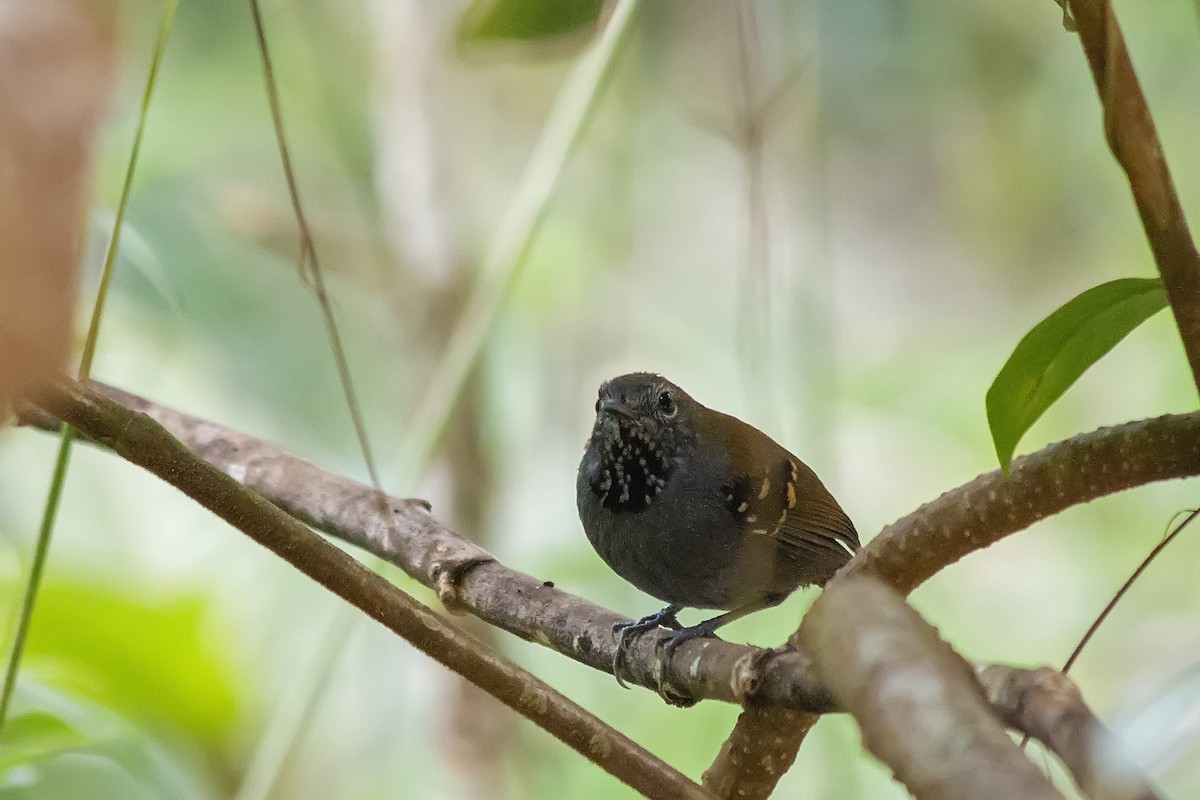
(1131, 135)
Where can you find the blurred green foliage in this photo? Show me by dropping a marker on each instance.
(151, 657)
(57, 747)
(936, 182)
(527, 19)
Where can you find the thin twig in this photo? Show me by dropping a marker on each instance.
(1116, 598)
(1103, 615)
(309, 264)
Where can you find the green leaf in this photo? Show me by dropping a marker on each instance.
(1059, 349)
(57, 746)
(527, 20)
(145, 653)
(34, 736)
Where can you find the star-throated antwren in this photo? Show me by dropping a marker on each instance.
(701, 510)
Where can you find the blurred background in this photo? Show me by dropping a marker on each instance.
(834, 220)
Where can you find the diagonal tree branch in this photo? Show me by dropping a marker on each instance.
(917, 701)
(1132, 137)
(139, 439)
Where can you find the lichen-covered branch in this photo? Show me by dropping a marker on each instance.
(758, 752)
(141, 440)
(917, 701)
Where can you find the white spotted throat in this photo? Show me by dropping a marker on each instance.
(701, 510)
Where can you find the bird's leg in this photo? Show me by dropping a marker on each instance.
(627, 630)
(708, 628)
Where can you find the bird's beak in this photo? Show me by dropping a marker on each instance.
(610, 406)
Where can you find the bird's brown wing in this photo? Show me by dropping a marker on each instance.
(790, 504)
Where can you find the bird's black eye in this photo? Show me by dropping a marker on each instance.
(666, 405)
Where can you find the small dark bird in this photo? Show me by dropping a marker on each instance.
(701, 510)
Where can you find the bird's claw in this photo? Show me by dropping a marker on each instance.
(625, 631)
(667, 645)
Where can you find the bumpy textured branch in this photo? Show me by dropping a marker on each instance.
(761, 748)
(1046, 705)
(141, 440)
(977, 514)
(913, 549)
(1134, 141)
(917, 701)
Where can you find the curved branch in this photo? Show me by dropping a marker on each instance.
(978, 514)
(1045, 704)
(916, 700)
(991, 507)
(139, 439)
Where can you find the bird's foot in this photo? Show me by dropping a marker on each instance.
(705, 630)
(625, 631)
